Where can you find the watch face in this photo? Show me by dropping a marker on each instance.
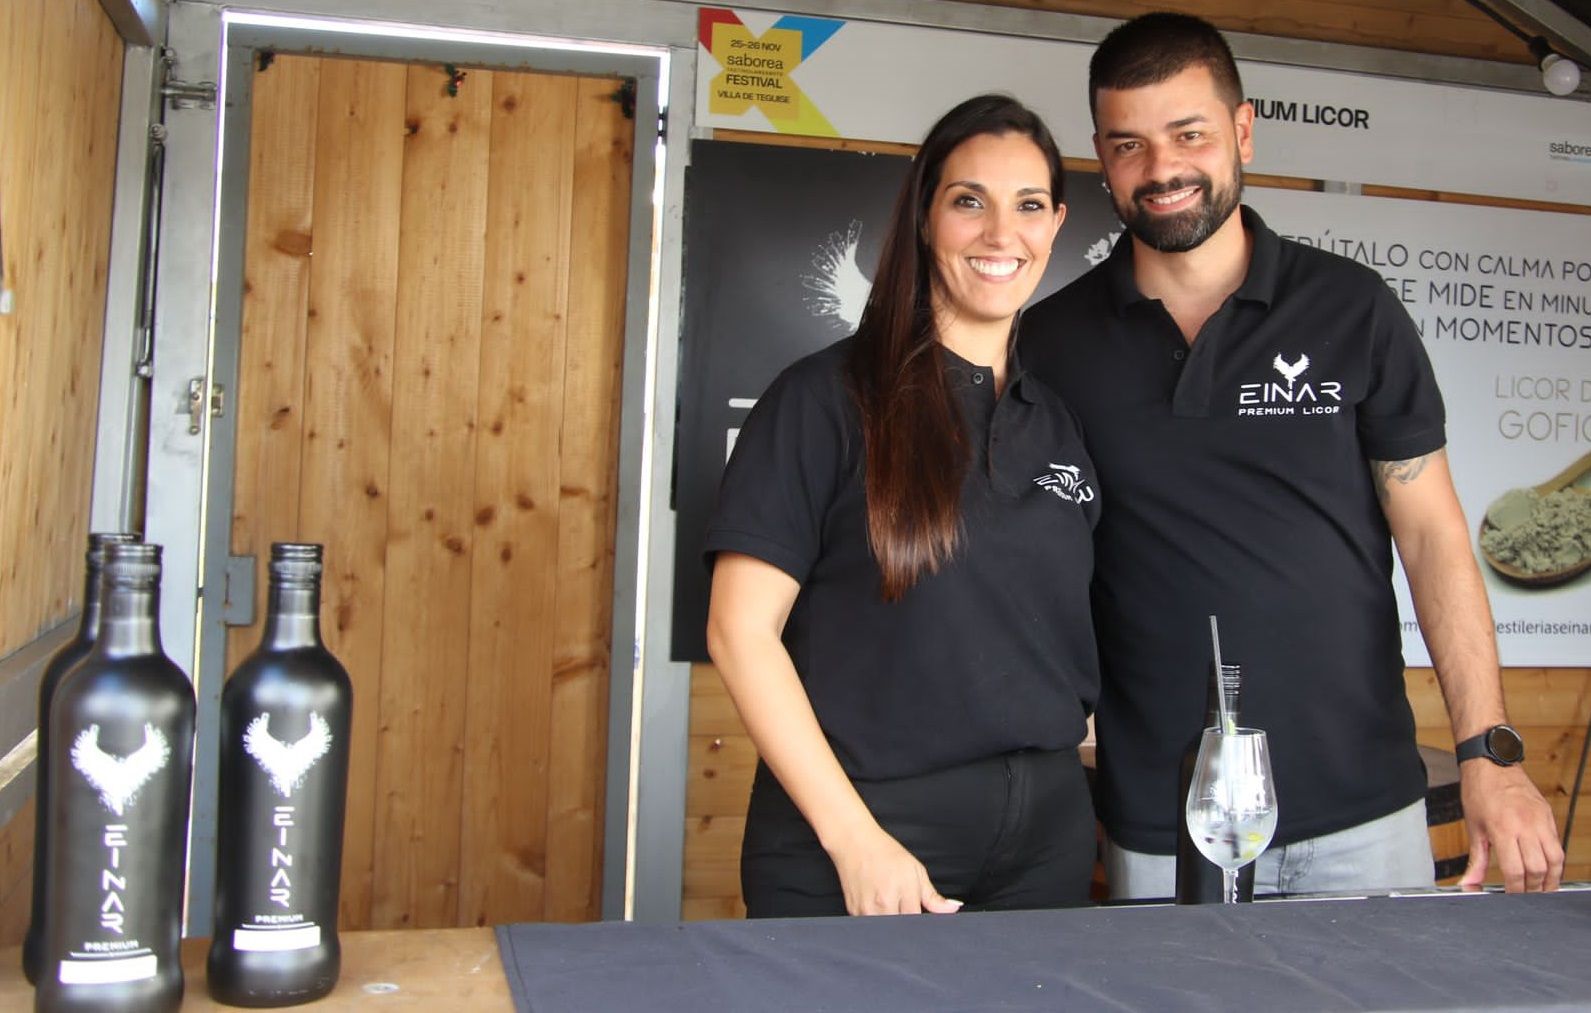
(1505, 744)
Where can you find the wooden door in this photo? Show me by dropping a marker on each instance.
(429, 384)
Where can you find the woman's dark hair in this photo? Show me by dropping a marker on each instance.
(916, 456)
(1156, 47)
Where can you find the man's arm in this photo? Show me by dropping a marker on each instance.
(1506, 816)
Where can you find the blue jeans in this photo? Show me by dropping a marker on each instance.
(1389, 853)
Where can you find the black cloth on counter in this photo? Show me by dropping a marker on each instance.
(1442, 951)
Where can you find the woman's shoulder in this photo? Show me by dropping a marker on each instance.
(818, 377)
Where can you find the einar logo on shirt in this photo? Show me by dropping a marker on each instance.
(1067, 482)
(1297, 398)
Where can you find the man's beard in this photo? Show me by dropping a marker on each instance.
(1186, 229)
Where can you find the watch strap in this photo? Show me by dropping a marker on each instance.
(1472, 748)
(1481, 746)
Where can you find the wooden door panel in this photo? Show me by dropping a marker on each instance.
(265, 492)
(436, 368)
(429, 379)
(433, 323)
(348, 407)
(589, 446)
(524, 331)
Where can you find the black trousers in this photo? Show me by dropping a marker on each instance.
(1007, 832)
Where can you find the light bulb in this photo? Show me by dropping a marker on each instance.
(1560, 75)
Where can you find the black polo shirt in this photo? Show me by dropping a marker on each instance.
(993, 653)
(1236, 477)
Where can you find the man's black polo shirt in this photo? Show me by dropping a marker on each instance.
(1235, 476)
(993, 653)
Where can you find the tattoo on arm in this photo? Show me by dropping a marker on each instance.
(1403, 472)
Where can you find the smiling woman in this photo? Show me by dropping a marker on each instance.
(913, 516)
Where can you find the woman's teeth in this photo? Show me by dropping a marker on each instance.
(993, 268)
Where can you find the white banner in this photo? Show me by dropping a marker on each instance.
(1503, 299)
(856, 79)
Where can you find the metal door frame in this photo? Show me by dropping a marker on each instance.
(241, 37)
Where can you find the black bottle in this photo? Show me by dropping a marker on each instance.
(64, 659)
(120, 767)
(285, 717)
(1198, 878)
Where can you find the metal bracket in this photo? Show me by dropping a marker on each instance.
(194, 406)
(237, 608)
(189, 94)
(181, 94)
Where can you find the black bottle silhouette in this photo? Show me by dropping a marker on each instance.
(285, 716)
(120, 768)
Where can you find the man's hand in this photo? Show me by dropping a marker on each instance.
(880, 877)
(1509, 822)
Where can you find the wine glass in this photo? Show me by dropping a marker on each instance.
(1231, 807)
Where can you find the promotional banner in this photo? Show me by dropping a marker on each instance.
(780, 249)
(823, 77)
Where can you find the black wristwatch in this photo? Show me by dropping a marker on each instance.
(1499, 744)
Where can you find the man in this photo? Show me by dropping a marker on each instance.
(1262, 416)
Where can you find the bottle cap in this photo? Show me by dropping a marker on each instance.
(99, 541)
(132, 565)
(296, 562)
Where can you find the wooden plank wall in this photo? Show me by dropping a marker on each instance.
(57, 173)
(1446, 27)
(433, 322)
(61, 63)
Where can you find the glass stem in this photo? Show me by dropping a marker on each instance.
(1229, 886)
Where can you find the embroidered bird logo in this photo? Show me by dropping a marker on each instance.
(118, 778)
(1291, 371)
(286, 765)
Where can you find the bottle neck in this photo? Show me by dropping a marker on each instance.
(292, 617)
(88, 627)
(128, 621)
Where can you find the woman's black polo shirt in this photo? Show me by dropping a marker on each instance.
(1238, 481)
(995, 652)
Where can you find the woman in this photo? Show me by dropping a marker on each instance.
(901, 558)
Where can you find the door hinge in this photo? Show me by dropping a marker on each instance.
(195, 404)
(180, 94)
(189, 94)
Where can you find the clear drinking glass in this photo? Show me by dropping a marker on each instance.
(1231, 807)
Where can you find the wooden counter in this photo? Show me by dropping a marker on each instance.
(429, 969)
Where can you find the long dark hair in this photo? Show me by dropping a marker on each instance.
(916, 455)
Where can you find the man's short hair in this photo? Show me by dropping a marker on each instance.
(1155, 47)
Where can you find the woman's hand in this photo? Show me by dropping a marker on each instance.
(880, 877)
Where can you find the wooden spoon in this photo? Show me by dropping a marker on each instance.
(1562, 480)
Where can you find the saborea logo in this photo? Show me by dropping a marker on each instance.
(1295, 396)
(1569, 151)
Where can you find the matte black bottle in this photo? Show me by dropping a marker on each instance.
(82, 642)
(1198, 878)
(285, 717)
(120, 766)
